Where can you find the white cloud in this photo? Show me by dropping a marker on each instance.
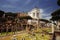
(41, 10)
(47, 17)
(44, 14)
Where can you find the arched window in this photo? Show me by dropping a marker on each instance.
(37, 15)
(33, 14)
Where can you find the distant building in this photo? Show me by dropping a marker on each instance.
(35, 14)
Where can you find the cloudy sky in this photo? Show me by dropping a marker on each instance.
(46, 6)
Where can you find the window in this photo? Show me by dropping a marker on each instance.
(37, 14)
(33, 14)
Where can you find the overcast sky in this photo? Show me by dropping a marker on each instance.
(46, 6)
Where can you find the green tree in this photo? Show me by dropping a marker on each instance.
(58, 2)
(56, 17)
(1, 13)
(1, 20)
(9, 16)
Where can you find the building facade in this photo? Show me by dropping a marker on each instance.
(35, 14)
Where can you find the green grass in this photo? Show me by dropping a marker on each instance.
(4, 33)
(29, 37)
(36, 35)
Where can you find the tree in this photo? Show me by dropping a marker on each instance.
(2, 20)
(58, 2)
(56, 17)
(1, 13)
(9, 16)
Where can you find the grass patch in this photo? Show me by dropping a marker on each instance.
(36, 35)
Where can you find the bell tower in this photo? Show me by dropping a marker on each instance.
(34, 13)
